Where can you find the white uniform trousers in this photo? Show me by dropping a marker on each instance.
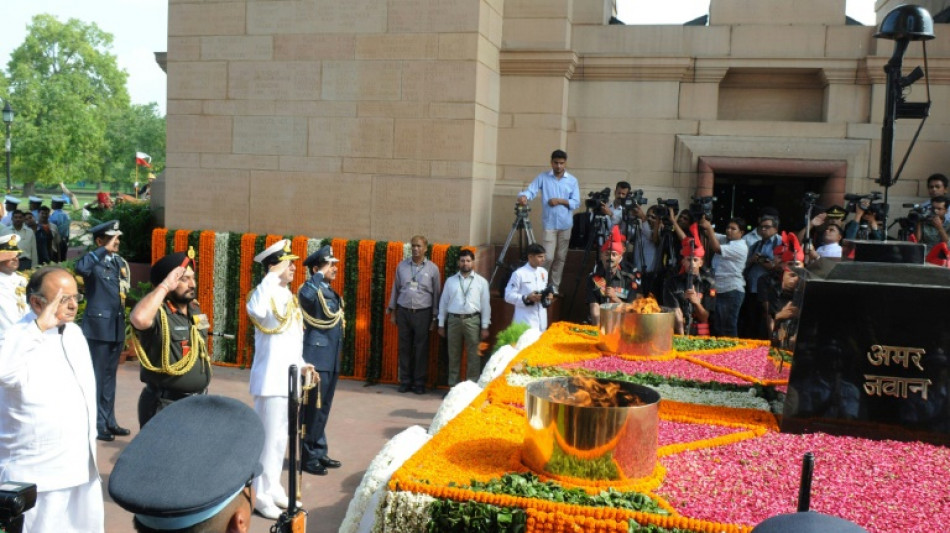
(273, 413)
(77, 508)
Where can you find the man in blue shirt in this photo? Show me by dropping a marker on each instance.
(560, 196)
(62, 221)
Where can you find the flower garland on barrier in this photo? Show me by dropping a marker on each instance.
(394, 255)
(180, 242)
(206, 281)
(158, 243)
(378, 318)
(246, 284)
(437, 253)
(367, 250)
(350, 287)
(220, 309)
(230, 274)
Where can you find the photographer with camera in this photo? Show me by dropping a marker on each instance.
(760, 263)
(689, 291)
(728, 263)
(609, 283)
(48, 420)
(937, 186)
(934, 229)
(865, 225)
(614, 210)
(528, 290)
(560, 196)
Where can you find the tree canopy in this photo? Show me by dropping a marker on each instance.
(74, 121)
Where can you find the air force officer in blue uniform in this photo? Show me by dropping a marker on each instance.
(322, 343)
(106, 279)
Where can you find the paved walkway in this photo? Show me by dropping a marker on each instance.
(363, 419)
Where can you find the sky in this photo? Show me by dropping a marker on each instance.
(139, 28)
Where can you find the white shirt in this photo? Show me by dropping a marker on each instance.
(273, 354)
(730, 263)
(27, 243)
(12, 299)
(523, 282)
(829, 250)
(48, 419)
(463, 295)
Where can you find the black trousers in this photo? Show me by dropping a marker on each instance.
(105, 363)
(315, 420)
(414, 327)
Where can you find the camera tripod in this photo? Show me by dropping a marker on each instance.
(633, 232)
(521, 226)
(597, 237)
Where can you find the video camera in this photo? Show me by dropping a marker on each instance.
(809, 199)
(665, 206)
(545, 301)
(15, 499)
(878, 209)
(919, 212)
(634, 198)
(597, 199)
(701, 206)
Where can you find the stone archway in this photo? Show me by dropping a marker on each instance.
(835, 173)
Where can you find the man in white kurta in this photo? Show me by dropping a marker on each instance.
(48, 418)
(12, 285)
(524, 290)
(278, 343)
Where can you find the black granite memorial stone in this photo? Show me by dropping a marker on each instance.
(872, 356)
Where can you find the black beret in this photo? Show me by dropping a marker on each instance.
(807, 522)
(190, 460)
(166, 264)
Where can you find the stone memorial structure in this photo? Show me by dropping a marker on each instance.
(384, 118)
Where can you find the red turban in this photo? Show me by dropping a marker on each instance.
(692, 246)
(615, 242)
(790, 249)
(939, 255)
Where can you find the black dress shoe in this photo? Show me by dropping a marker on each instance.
(330, 463)
(108, 437)
(317, 470)
(404, 388)
(119, 431)
(419, 390)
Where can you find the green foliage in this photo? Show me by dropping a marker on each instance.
(510, 335)
(528, 485)
(138, 128)
(649, 379)
(692, 344)
(475, 517)
(136, 222)
(602, 467)
(64, 87)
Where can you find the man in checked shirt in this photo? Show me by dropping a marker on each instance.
(414, 308)
(465, 312)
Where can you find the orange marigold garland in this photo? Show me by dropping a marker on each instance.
(247, 261)
(438, 257)
(158, 243)
(390, 331)
(298, 246)
(181, 240)
(339, 251)
(363, 299)
(205, 280)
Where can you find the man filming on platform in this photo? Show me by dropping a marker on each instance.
(934, 229)
(561, 196)
(614, 210)
(609, 283)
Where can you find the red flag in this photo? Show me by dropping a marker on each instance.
(143, 160)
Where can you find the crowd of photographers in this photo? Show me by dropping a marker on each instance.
(742, 281)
